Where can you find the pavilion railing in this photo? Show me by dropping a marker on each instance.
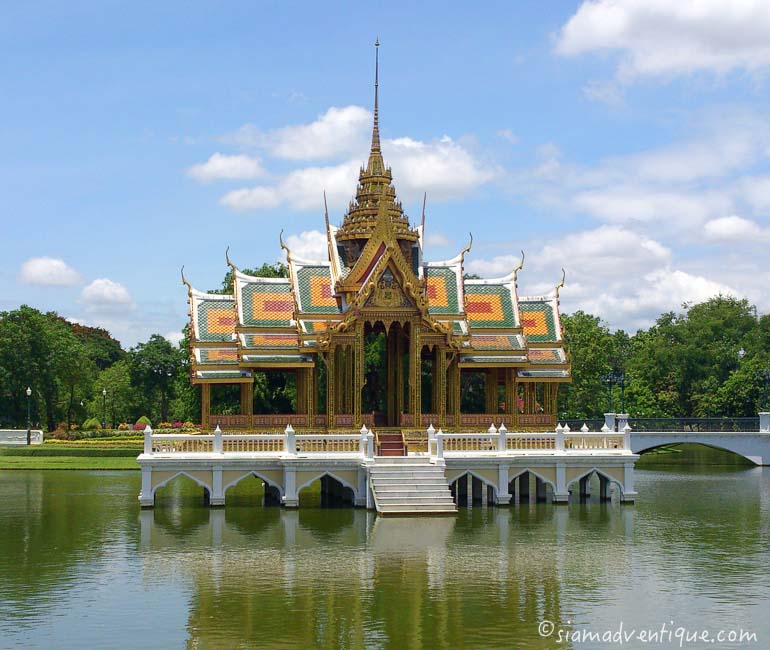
(560, 441)
(284, 444)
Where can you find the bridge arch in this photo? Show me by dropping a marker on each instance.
(257, 474)
(519, 471)
(754, 447)
(330, 474)
(165, 481)
(599, 472)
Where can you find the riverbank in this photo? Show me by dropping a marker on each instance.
(72, 456)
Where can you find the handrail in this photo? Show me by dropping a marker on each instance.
(288, 443)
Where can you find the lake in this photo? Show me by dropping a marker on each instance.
(82, 567)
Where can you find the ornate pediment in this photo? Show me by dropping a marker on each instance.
(387, 292)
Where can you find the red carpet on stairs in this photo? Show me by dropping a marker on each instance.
(392, 444)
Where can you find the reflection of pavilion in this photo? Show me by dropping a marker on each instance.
(345, 576)
(450, 351)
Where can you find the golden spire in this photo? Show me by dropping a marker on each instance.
(376, 165)
(376, 127)
(375, 186)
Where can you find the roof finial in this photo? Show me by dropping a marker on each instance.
(520, 266)
(284, 246)
(376, 128)
(561, 284)
(227, 258)
(185, 282)
(326, 212)
(467, 249)
(424, 199)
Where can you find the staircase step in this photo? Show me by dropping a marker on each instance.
(409, 485)
(423, 509)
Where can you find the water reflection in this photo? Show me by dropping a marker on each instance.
(79, 561)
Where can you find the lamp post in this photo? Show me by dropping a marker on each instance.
(616, 378)
(609, 379)
(104, 408)
(622, 382)
(29, 416)
(764, 377)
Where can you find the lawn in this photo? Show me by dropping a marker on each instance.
(67, 462)
(70, 456)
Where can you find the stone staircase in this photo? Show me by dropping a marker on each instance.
(409, 486)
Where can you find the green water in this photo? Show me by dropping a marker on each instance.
(82, 567)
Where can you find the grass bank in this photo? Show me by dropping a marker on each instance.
(92, 454)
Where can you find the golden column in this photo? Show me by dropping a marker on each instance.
(357, 383)
(491, 386)
(441, 381)
(392, 374)
(331, 382)
(511, 408)
(399, 373)
(205, 406)
(415, 388)
(247, 399)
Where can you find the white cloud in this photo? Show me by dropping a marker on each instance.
(627, 278)
(606, 92)
(174, 337)
(301, 189)
(443, 168)
(734, 229)
(105, 295)
(677, 187)
(309, 245)
(672, 38)
(339, 131)
(645, 204)
(756, 191)
(50, 272)
(433, 238)
(508, 135)
(221, 166)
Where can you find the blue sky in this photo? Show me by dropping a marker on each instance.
(625, 141)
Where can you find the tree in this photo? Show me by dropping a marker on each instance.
(276, 270)
(591, 348)
(40, 351)
(124, 402)
(100, 346)
(154, 366)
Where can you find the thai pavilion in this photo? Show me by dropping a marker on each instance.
(435, 331)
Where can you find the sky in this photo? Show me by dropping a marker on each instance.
(626, 141)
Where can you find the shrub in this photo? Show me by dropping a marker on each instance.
(139, 427)
(124, 426)
(91, 424)
(144, 421)
(177, 425)
(164, 425)
(74, 427)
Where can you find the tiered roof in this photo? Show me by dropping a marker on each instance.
(282, 322)
(213, 347)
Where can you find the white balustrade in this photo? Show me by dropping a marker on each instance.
(291, 441)
(502, 440)
(218, 449)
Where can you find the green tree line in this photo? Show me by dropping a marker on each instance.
(707, 360)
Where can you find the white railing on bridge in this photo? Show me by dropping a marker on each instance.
(288, 443)
(501, 441)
